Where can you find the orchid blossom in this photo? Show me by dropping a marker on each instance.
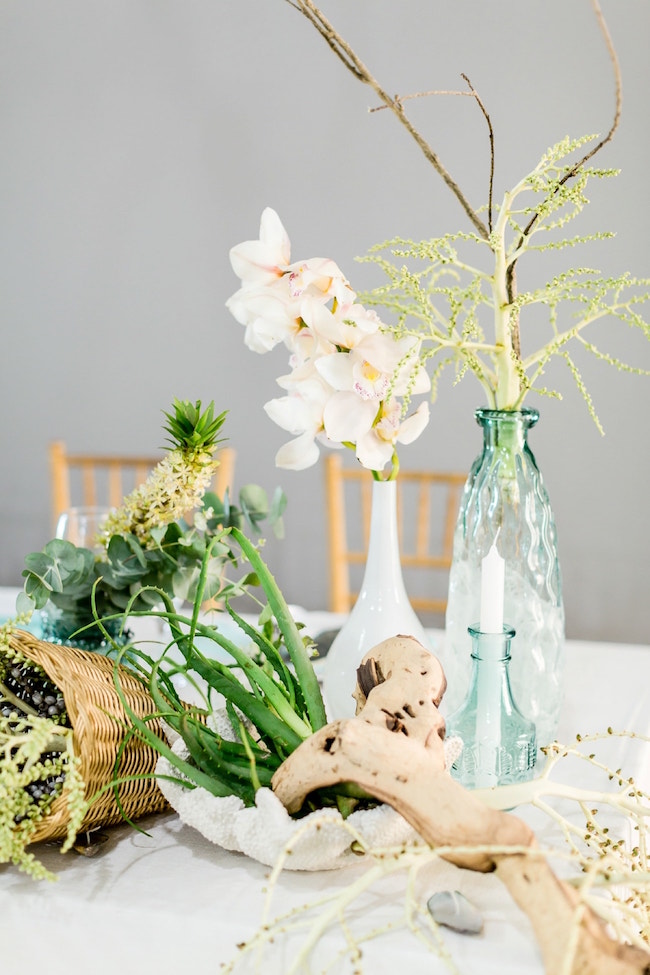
(351, 379)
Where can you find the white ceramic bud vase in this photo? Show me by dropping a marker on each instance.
(382, 609)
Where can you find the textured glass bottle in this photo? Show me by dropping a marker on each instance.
(382, 609)
(499, 746)
(505, 501)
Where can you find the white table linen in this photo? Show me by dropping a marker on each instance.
(169, 901)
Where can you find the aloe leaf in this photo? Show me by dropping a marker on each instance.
(197, 738)
(237, 784)
(269, 650)
(292, 638)
(214, 756)
(276, 733)
(271, 691)
(147, 734)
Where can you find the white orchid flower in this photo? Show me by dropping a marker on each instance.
(301, 413)
(306, 347)
(260, 262)
(345, 326)
(375, 448)
(346, 416)
(374, 428)
(372, 368)
(349, 373)
(269, 315)
(298, 454)
(320, 277)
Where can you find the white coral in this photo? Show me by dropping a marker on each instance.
(264, 831)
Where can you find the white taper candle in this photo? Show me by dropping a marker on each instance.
(492, 591)
(488, 714)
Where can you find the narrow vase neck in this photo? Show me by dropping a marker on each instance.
(506, 429)
(492, 647)
(383, 561)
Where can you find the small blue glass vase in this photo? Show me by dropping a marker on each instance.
(499, 743)
(65, 627)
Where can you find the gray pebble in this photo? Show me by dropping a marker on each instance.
(451, 908)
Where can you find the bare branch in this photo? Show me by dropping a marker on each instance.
(512, 269)
(353, 63)
(603, 142)
(335, 41)
(422, 94)
(473, 91)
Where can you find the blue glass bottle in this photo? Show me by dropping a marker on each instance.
(499, 743)
(505, 496)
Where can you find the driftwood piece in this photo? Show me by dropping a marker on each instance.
(406, 775)
(407, 684)
(391, 752)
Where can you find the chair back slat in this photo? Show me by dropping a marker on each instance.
(115, 491)
(88, 483)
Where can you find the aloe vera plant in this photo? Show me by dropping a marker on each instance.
(273, 699)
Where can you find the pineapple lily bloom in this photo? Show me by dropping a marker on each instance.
(351, 379)
(178, 482)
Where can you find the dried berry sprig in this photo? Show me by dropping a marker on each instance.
(37, 759)
(611, 875)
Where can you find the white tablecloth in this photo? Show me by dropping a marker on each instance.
(170, 902)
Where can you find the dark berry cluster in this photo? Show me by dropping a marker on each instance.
(30, 685)
(48, 787)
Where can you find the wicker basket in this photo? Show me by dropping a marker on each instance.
(87, 682)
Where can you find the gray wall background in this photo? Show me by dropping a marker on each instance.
(141, 139)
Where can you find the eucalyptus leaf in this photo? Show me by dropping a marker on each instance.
(35, 590)
(213, 579)
(213, 504)
(60, 549)
(25, 605)
(47, 570)
(157, 534)
(39, 564)
(121, 555)
(254, 502)
(278, 504)
(136, 549)
(184, 580)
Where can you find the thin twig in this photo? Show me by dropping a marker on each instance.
(607, 138)
(511, 271)
(354, 64)
(473, 91)
(422, 94)
(17, 702)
